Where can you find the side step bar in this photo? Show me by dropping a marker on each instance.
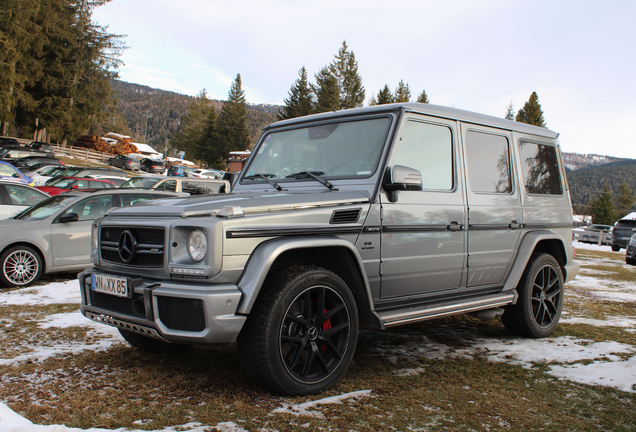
(414, 314)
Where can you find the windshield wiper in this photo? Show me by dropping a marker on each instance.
(314, 175)
(266, 177)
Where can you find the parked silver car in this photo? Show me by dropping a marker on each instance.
(591, 233)
(54, 235)
(125, 162)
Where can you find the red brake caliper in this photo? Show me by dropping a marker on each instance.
(325, 326)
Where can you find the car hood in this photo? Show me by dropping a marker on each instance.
(23, 226)
(208, 205)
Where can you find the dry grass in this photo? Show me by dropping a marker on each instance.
(123, 387)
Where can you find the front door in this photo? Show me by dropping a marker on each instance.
(423, 232)
(71, 241)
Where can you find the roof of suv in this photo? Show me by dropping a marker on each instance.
(428, 109)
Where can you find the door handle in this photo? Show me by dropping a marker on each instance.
(454, 226)
(514, 225)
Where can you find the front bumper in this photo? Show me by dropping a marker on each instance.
(185, 313)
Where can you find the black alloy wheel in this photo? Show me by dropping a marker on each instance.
(314, 334)
(301, 333)
(538, 308)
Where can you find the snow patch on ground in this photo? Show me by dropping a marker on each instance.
(304, 409)
(54, 293)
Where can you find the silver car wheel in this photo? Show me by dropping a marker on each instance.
(20, 267)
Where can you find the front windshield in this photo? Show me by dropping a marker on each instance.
(346, 149)
(45, 208)
(141, 182)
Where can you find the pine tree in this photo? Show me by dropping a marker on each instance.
(345, 69)
(603, 208)
(423, 98)
(78, 60)
(325, 91)
(232, 131)
(192, 124)
(510, 112)
(402, 92)
(624, 200)
(531, 112)
(300, 101)
(384, 97)
(207, 143)
(18, 33)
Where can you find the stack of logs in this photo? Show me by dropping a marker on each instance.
(123, 147)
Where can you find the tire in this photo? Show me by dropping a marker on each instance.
(616, 248)
(301, 334)
(146, 343)
(538, 309)
(21, 266)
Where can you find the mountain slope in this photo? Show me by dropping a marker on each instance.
(155, 114)
(587, 183)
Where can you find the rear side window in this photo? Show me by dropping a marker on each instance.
(627, 223)
(22, 196)
(540, 167)
(488, 161)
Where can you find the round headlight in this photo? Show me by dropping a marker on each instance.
(197, 245)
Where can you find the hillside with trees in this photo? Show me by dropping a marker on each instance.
(588, 183)
(164, 111)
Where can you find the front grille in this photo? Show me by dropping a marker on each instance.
(181, 313)
(126, 306)
(149, 248)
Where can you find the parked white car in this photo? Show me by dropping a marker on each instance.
(15, 197)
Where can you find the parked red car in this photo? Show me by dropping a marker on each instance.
(66, 184)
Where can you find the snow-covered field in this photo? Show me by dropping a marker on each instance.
(607, 363)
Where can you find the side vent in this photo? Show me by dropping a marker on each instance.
(345, 216)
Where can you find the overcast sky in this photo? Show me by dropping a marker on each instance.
(579, 56)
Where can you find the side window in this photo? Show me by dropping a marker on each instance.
(169, 185)
(92, 208)
(429, 149)
(488, 162)
(23, 196)
(540, 167)
(130, 199)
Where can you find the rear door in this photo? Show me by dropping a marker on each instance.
(495, 216)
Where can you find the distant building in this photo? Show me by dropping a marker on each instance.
(237, 160)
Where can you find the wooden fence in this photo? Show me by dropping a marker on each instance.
(76, 152)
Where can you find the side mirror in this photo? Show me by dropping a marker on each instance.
(68, 217)
(399, 178)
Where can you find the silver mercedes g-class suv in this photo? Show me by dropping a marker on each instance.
(377, 216)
